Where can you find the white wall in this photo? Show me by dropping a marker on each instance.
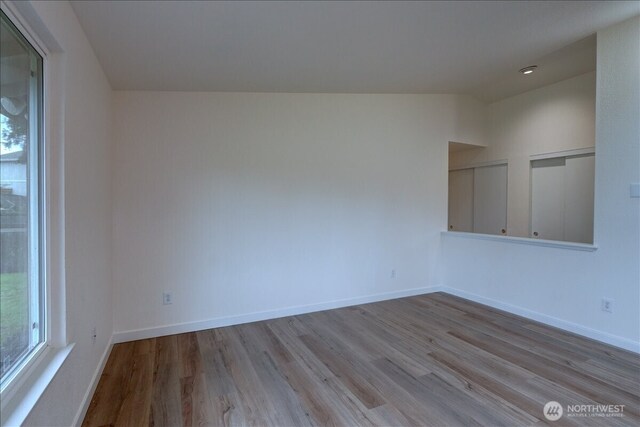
(568, 285)
(86, 129)
(240, 202)
(553, 118)
(471, 124)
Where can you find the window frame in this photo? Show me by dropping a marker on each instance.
(36, 225)
(21, 393)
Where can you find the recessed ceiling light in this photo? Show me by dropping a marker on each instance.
(528, 70)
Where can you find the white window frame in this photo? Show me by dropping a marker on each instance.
(21, 393)
(35, 226)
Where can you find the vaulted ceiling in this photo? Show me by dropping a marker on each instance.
(474, 47)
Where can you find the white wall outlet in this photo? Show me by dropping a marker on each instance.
(607, 305)
(393, 273)
(94, 334)
(167, 298)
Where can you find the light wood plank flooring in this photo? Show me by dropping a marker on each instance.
(433, 360)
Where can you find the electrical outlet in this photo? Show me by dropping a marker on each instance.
(167, 298)
(607, 305)
(393, 273)
(94, 335)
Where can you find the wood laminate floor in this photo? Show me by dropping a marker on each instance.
(433, 360)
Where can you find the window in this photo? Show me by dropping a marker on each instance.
(22, 287)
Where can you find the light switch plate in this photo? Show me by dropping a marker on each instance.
(634, 190)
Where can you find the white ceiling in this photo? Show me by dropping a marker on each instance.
(474, 47)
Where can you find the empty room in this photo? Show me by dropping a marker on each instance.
(320, 213)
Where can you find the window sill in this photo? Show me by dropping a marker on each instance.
(584, 247)
(17, 407)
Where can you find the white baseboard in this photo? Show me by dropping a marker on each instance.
(179, 328)
(137, 334)
(218, 322)
(88, 395)
(604, 337)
